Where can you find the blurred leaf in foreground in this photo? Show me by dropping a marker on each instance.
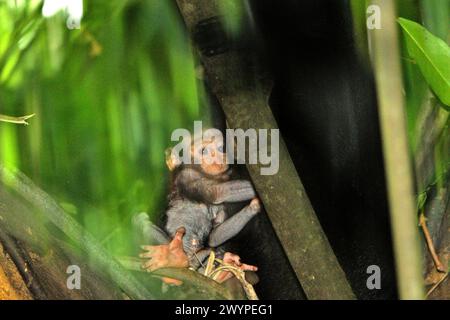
(432, 55)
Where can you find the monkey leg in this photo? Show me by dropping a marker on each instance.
(234, 191)
(232, 226)
(148, 232)
(235, 261)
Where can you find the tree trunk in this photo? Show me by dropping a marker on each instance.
(245, 105)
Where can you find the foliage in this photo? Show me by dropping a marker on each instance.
(106, 97)
(432, 55)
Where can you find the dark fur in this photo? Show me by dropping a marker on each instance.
(195, 204)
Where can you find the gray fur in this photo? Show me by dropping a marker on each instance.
(198, 203)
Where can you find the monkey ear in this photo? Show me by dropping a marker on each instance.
(172, 160)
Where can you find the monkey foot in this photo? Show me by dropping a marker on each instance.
(235, 261)
(169, 255)
(255, 205)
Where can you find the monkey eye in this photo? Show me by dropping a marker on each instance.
(220, 148)
(204, 151)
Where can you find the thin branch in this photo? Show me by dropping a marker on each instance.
(16, 120)
(438, 264)
(437, 284)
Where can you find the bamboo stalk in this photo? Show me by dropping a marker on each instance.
(386, 62)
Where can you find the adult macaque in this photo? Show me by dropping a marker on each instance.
(197, 212)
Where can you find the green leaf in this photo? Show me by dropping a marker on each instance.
(432, 56)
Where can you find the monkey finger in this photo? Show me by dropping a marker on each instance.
(228, 256)
(177, 240)
(231, 258)
(171, 281)
(223, 276)
(248, 267)
(146, 265)
(149, 248)
(147, 255)
(179, 234)
(152, 265)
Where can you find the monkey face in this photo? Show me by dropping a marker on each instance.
(213, 157)
(207, 151)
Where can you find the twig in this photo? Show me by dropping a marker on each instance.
(17, 120)
(437, 284)
(423, 223)
(240, 275)
(210, 265)
(212, 272)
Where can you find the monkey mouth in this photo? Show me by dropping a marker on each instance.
(220, 168)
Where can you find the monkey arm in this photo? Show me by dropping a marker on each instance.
(234, 191)
(197, 187)
(232, 226)
(147, 231)
(215, 193)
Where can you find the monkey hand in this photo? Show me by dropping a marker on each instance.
(235, 261)
(255, 205)
(169, 255)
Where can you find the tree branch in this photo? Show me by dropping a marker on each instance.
(23, 186)
(188, 276)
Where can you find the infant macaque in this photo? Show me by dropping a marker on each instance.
(197, 212)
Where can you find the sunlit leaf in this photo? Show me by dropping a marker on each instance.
(432, 56)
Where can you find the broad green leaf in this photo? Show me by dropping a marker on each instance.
(432, 56)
